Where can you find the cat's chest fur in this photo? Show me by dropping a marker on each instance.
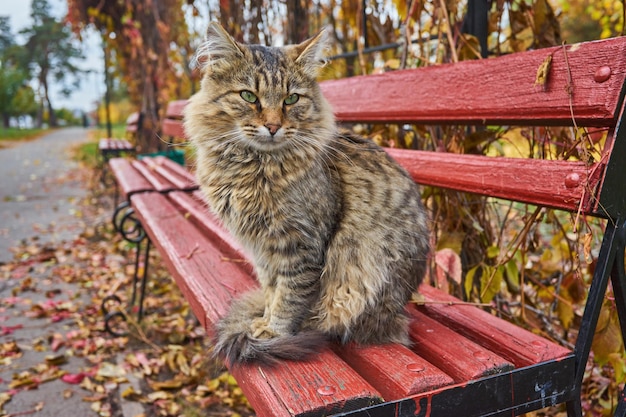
(263, 199)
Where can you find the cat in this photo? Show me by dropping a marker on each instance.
(335, 228)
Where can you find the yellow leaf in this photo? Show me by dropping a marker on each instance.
(608, 338)
(512, 276)
(543, 71)
(564, 310)
(469, 280)
(490, 283)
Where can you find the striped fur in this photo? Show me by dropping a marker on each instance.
(334, 226)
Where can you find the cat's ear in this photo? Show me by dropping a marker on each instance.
(218, 50)
(311, 54)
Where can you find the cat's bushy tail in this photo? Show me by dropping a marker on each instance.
(235, 344)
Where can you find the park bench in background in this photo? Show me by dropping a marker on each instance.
(465, 361)
(109, 148)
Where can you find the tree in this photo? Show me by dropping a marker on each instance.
(49, 53)
(11, 81)
(16, 97)
(138, 36)
(6, 38)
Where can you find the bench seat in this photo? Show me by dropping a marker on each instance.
(454, 343)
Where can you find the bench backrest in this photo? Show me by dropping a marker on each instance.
(581, 85)
(133, 122)
(576, 85)
(172, 125)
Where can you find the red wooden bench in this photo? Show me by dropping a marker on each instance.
(114, 147)
(465, 361)
(109, 148)
(148, 174)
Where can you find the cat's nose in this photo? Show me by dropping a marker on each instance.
(273, 128)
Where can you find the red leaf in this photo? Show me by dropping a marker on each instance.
(73, 378)
(5, 330)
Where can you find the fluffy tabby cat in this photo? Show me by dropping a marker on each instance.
(334, 226)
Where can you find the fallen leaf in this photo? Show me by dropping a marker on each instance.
(73, 378)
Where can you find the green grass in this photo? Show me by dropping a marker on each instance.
(13, 133)
(87, 153)
(117, 131)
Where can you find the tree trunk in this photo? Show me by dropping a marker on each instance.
(298, 21)
(43, 79)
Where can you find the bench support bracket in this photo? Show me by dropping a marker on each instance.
(125, 222)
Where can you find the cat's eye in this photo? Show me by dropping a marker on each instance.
(292, 99)
(249, 96)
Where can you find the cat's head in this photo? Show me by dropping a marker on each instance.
(264, 98)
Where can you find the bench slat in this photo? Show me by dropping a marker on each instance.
(459, 93)
(394, 370)
(459, 357)
(321, 386)
(562, 185)
(129, 180)
(159, 183)
(515, 344)
(119, 145)
(195, 208)
(175, 109)
(171, 174)
(180, 170)
(173, 128)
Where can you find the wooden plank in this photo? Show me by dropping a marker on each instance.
(491, 91)
(209, 283)
(173, 128)
(172, 124)
(195, 209)
(174, 167)
(394, 370)
(562, 185)
(513, 343)
(175, 109)
(129, 180)
(133, 119)
(159, 183)
(454, 354)
(180, 179)
(116, 145)
(321, 386)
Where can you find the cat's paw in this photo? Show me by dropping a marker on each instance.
(260, 329)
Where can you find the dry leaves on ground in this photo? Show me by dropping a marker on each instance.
(50, 302)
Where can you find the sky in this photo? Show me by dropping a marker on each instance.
(92, 83)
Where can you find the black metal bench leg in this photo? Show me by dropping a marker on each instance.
(612, 247)
(618, 280)
(144, 279)
(132, 231)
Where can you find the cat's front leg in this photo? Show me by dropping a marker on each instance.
(288, 304)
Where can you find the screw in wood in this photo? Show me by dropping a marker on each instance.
(572, 180)
(415, 367)
(602, 74)
(326, 390)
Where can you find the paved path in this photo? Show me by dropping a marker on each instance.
(37, 190)
(37, 196)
